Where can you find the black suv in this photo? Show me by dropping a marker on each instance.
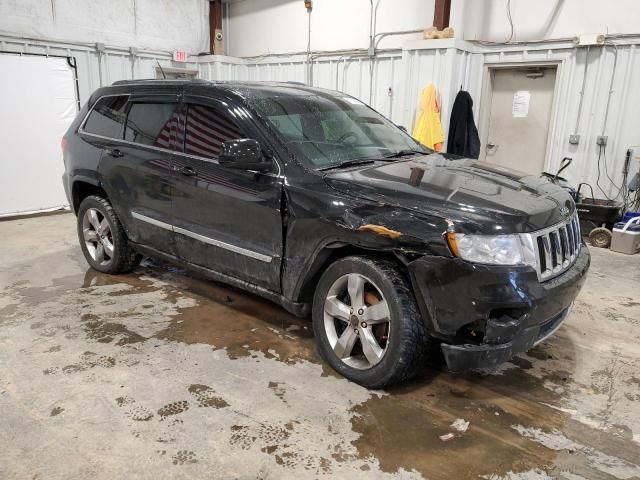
(312, 199)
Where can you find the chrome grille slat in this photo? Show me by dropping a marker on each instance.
(572, 248)
(558, 247)
(564, 243)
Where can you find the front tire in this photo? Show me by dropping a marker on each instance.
(102, 237)
(366, 322)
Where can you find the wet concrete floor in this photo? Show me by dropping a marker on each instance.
(160, 374)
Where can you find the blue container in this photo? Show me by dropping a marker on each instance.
(629, 215)
(634, 227)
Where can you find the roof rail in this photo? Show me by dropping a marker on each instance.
(159, 80)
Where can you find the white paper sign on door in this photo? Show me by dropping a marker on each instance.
(521, 99)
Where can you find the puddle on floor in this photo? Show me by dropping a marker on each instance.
(414, 426)
(240, 322)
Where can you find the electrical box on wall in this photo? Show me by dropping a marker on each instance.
(574, 139)
(218, 42)
(590, 39)
(601, 140)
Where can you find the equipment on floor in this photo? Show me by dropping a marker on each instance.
(596, 215)
(626, 236)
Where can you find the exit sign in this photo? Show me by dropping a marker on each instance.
(179, 56)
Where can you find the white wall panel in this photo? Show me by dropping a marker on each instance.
(40, 94)
(486, 19)
(153, 24)
(259, 27)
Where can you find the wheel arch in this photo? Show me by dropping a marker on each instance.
(83, 188)
(331, 253)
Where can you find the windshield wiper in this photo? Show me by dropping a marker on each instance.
(348, 163)
(404, 153)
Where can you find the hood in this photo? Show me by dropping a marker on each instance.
(477, 197)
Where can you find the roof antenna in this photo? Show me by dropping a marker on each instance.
(161, 69)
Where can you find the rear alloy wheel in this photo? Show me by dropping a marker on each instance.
(103, 241)
(97, 235)
(366, 322)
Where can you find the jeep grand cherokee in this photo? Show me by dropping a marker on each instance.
(312, 199)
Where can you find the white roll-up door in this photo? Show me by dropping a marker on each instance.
(37, 105)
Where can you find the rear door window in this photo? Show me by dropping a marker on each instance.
(206, 128)
(151, 124)
(107, 117)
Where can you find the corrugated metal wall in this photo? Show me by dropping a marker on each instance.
(398, 77)
(94, 70)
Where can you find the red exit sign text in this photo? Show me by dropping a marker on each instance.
(179, 56)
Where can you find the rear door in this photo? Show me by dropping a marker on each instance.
(226, 220)
(143, 180)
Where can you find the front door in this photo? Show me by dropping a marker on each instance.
(227, 220)
(521, 104)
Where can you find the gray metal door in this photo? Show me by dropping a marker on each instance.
(518, 128)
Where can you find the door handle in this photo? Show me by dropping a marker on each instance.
(114, 152)
(491, 145)
(188, 171)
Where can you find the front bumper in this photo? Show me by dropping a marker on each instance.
(485, 315)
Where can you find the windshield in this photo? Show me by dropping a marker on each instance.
(327, 130)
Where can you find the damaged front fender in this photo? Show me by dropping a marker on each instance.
(320, 220)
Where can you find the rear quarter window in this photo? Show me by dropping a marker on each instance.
(107, 117)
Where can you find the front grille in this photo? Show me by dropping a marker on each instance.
(557, 247)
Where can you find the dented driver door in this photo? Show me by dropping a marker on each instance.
(226, 220)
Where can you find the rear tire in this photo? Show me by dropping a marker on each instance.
(102, 238)
(376, 339)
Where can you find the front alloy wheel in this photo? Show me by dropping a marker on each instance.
(356, 321)
(366, 321)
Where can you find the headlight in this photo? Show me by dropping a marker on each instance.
(493, 249)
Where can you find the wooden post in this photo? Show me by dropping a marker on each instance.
(215, 22)
(441, 12)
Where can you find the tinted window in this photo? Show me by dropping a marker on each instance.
(107, 117)
(151, 124)
(206, 129)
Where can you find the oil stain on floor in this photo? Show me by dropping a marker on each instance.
(159, 373)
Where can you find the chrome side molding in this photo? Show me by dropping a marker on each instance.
(202, 238)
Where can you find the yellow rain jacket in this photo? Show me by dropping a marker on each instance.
(428, 129)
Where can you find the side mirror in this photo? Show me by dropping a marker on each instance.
(243, 154)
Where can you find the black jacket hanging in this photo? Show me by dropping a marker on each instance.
(463, 135)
